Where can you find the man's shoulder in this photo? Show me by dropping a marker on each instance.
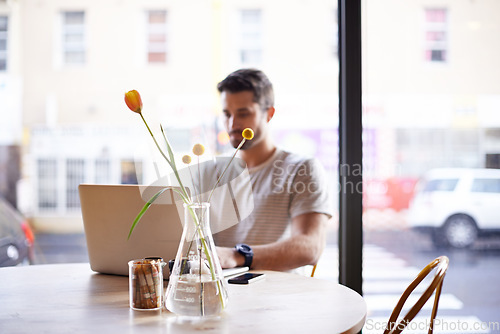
(291, 158)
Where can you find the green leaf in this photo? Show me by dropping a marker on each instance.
(169, 149)
(154, 139)
(172, 163)
(184, 198)
(144, 209)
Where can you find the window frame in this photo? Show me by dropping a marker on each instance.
(350, 145)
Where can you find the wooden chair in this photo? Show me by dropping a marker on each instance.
(441, 265)
(313, 270)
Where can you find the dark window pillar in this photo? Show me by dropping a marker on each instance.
(350, 145)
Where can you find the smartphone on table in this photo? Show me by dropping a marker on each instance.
(246, 278)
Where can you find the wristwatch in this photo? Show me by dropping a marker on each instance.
(247, 252)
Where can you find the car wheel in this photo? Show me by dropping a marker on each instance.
(460, 231)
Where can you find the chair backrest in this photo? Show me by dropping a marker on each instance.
(441, 265)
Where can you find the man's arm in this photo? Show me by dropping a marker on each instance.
(304, 247)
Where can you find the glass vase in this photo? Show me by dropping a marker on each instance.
(196, 286)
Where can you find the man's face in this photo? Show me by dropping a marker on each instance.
(240, 112)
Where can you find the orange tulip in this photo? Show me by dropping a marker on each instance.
(133, 101)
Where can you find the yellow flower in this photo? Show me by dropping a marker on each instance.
(186, 159)
(198, 149)
(247, 134)
(133, 101)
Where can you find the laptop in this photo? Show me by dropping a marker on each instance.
(108, 212)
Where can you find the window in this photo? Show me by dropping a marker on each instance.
(157, 36)
(493, 161)
(58, 179)
(251, 36)
(431, 117)
(131, 172)
(47, 184)
(486, 186)
(73, 38)
(3, 42)
(75, 174)
(102, 171)
(441, 185)
(436, 35)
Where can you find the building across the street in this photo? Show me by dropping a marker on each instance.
(431, 89)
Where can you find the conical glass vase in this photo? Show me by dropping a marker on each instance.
(196, 286)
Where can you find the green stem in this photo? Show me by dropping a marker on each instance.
(199, 179)
(152, 136)
(196, 193)
(181, 185)
(205, 250)
(170, 162)
(225, 169)
(185, 199)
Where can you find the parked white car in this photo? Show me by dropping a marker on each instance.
(456, 205)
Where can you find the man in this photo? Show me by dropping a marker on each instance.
(287, 228)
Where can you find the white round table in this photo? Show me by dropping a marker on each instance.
(70, 298)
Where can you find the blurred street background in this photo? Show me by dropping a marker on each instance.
(431, 99)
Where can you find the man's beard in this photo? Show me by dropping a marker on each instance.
(235, 141)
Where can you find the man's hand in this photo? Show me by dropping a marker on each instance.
(229, 257)
(304, 247)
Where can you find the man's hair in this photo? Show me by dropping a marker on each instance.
(250, 80)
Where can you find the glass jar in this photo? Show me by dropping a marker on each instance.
(196, 286)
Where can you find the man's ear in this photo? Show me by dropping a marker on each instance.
(270, 113)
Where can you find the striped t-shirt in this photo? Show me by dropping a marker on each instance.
(283, 187)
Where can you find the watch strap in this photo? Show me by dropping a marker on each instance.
(247, 252)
